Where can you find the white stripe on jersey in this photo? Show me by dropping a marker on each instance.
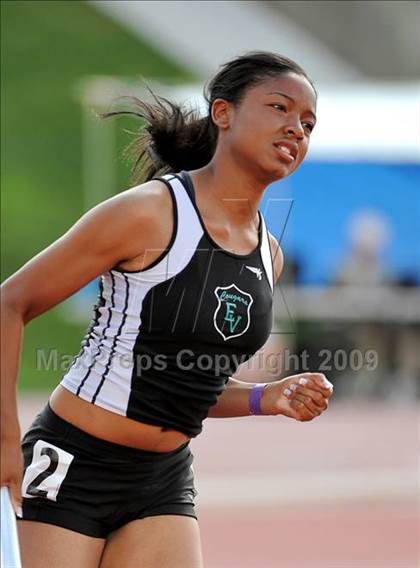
(102, 373)
(266, 253)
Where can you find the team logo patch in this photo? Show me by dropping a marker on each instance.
(231, 317)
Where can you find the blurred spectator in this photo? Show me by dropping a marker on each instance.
(396, 376)
(369, 233)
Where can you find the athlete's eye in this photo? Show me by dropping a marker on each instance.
(280, 107)
(308, 126)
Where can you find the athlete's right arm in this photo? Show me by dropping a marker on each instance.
(118, 229)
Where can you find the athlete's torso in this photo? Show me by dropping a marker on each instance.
(164, 340)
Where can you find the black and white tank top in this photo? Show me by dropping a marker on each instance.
(164, 340)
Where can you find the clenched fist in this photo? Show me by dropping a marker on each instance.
(302, 397)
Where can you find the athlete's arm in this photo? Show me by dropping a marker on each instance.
(121, 228)
(314, 395)
(117, 229)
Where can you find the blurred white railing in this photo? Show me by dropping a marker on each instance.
(349, 303)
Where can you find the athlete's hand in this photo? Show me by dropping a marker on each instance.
(12, 467)
(302, 397)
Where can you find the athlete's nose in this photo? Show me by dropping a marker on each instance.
(295, 131)
(294, 128)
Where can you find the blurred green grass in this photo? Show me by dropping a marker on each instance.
(47, 48)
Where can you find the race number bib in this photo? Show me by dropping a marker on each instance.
(45, 474)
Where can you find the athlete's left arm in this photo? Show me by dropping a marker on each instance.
(302, 397)
(309, 399)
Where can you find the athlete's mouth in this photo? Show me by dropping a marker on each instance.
(287, 149)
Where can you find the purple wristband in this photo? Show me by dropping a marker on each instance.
(255, 398)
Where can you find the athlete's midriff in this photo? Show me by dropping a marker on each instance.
(112, 427)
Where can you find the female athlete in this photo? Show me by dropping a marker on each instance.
(103, 477)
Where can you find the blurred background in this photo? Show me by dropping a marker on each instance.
(341, 491)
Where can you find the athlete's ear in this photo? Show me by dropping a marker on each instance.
(221, 113)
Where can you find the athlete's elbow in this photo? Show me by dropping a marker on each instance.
(10, 309)
(13, 302)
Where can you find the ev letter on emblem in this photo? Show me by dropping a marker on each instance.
(232, 315)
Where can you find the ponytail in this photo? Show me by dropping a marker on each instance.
(171, 139)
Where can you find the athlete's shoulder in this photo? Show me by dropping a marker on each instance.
(147, 197)
(276, 255)
(137, 218)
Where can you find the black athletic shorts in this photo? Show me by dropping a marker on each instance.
(91, 486)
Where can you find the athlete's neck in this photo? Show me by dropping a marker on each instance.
(229, 191)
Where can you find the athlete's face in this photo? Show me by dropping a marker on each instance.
(270, 129)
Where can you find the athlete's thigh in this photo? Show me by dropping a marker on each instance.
(45, 545)
(161, 541)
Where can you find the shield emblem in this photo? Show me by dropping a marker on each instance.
(232, 315)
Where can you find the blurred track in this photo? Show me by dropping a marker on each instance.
(341, 491)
